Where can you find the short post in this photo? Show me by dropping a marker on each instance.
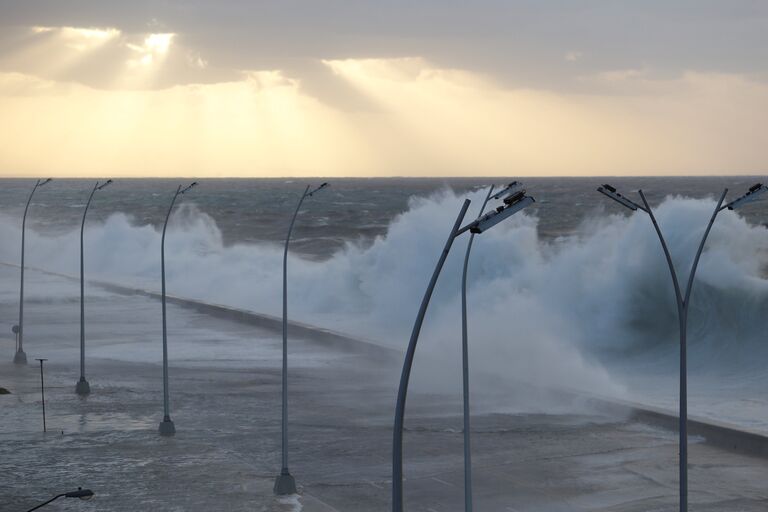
(15, 331)
(42, 391)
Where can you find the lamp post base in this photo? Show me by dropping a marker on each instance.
(167, 427)
(82, 387)
(285, 484)
(20, 357)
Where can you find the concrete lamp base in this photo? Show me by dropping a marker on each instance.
(285, 484)
(82, 387)
(20, 358)
(167, 427)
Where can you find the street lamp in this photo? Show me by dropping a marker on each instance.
(82, 387)
(20, 357)
(683, 301)
(285, 483)
(513, 203)
(505, 192)
(83, 494)
(167, 427)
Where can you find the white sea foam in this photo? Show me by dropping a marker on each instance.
(569, 312)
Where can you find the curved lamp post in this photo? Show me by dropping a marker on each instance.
(83, 494)
(683, 301)
(512, 204)
(167, 428)
(20, 357)
(285, 483)
(508, 190)
(82, 387)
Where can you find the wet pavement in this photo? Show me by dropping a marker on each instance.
(225, 402)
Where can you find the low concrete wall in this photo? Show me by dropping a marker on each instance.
(260, 320)
(723, 435)
(264, 321)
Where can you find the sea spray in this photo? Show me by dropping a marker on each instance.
(563, 312)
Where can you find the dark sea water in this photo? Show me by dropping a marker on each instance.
(259, 210)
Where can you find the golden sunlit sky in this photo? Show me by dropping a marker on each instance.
(343, 88)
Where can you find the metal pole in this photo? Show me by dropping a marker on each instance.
(166, 426)
(20, 357)
(397, 441)
(285, 483)
(47, 502)
(82, 387)
(682, 310)
(465, 368)
(42, 391)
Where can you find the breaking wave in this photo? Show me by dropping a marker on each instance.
(575, 308)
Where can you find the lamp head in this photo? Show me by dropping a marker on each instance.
(41, 183)
(103, 185)
(512, 187)
(512, 204)
(193, 184)
(611, 192)
(752, 195)
(322, 186)
(83, 494)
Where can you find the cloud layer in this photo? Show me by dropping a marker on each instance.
(333, 88)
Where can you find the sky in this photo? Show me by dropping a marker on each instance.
(398, 88)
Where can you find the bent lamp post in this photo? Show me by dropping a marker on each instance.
(512, 204)
(507, 191)
(285, 483)
(82, 387)
(683, 302)
(83, 494)
(20, 357)
(167, 428)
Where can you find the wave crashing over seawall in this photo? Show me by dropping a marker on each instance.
(572, 309)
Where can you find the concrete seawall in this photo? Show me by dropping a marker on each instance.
(264, 321)
(723, 435)
(260, 320)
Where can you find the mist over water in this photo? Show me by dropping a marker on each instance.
(573, 293)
